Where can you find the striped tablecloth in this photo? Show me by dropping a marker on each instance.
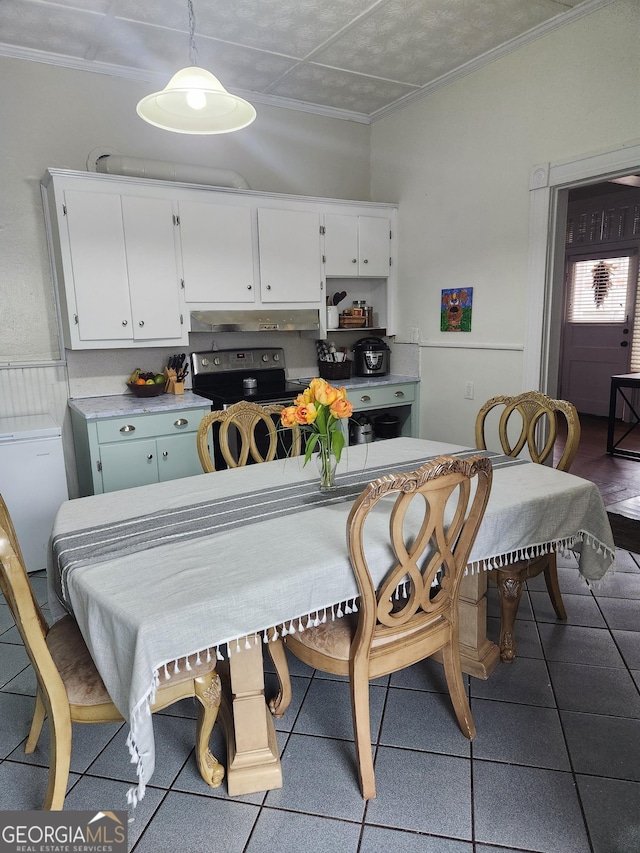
(157, 573)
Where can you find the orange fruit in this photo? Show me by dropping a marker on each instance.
(141, 382)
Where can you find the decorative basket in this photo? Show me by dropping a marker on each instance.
(335, 369)
(348, 321)
(146, 390)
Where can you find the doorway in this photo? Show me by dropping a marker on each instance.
(549, 192)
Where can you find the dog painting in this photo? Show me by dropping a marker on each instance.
(455, 310)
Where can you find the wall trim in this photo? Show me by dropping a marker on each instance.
(472, 345)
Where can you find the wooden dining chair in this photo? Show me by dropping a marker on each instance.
(237, 435)
(69, 687)
(529, 420)
(413, 612)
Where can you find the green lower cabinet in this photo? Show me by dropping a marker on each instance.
(136, 450)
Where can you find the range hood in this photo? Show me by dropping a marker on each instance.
(264, 320)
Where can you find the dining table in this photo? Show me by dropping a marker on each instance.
(220, 564)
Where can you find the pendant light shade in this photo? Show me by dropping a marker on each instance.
(194, 100)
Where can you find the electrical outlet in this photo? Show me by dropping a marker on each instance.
(415, 335)
(468, 391)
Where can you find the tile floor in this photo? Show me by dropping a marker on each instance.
(554, 768)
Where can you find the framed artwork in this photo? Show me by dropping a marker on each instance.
(455, 310)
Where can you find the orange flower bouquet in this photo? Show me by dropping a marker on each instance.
(318, 411)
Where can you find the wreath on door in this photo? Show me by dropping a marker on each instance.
(601, 275)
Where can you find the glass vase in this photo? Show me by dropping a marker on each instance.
(326, 464)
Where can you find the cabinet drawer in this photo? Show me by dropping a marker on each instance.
(389, 395)
(132, 427)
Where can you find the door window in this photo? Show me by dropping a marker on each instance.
(598, 290)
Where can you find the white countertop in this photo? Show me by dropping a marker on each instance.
(363, 381)
(128, 404)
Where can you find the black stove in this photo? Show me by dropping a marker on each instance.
(228, 376)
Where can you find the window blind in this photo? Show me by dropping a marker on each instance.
(598, 291)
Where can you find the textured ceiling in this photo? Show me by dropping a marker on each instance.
(354, 58)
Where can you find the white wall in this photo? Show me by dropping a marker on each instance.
(459, 162)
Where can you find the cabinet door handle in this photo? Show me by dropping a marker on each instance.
(180, 422)
(127, 428)
(124, 322)
(365, 261)
(150, 456)
(399, 394)
(365, 398)
(268, 287)
(164, 454)
(141, 323)
(248, 287)
(354, 260)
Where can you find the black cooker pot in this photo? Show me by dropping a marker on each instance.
(371, 357)
(387, 426)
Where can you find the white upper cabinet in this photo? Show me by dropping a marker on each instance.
(217, 252)
(154, 283)
(290, 257)
(116, 267)
(357, 246)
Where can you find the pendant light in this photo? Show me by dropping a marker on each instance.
(194, 101)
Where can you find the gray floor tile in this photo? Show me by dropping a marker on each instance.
(621, 585)
(25, 787)
(87, 742)
(12, 661)
(603, 746)
(15, 721)
(575, 644)
(220, 825)
(90, 793)
(174, 742)
(525, 681)
(6, 620)
(25, 682)
(376, 839)
(581, 610)
(528, 643)
(594, 689)
(320, 777)
(629, 645)
(440, 779)
(423, 721)
(280, 830)
(527, 808)
(511, 733)
(427, 674)
(626, 562)
(326, 710)
(570, 580)
(612, 810)
(620, 614)
(299, 687)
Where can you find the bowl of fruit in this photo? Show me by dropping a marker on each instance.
(146, 384)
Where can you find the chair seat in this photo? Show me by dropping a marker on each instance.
(81, 679)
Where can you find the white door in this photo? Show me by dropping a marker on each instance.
(598, 327)
(290, 257)
(98, 259)
(217, 252)
(152, 266)
(374, 246)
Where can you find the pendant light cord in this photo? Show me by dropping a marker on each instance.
(193, 51)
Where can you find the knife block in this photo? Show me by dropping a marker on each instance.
(172, 386)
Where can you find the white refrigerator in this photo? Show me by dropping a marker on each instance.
(33, 482)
